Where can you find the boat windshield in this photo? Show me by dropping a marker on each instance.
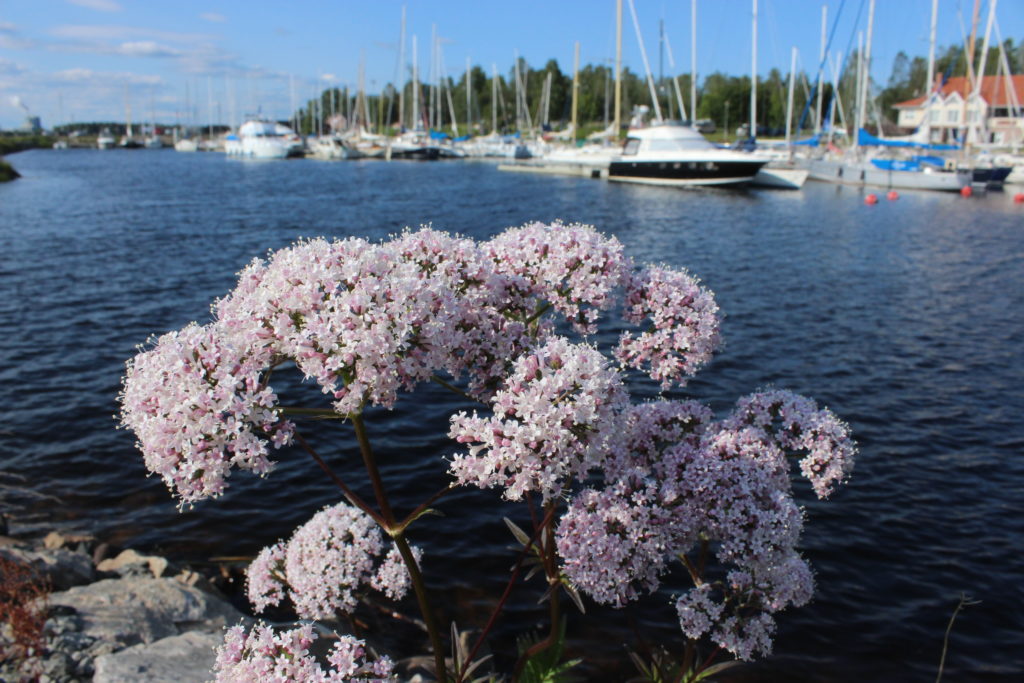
(678, 145)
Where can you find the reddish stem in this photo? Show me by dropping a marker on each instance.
(504, 597)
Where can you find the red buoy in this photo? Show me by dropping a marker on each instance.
(1018, 198)
(893, 194)
(871, 199)
(966, 191)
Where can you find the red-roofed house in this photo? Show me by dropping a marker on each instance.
(994, 114)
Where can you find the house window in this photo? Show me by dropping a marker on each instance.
(951, 116)
(934, 116)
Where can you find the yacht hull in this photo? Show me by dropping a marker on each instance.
(683, 173)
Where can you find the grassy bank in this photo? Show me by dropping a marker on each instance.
(16, 143)
(7, 172)
(9, 144)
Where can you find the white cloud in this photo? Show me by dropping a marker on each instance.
(105, 78)
(147, 48)
(98, 5)
(100, 32)
(213, 17)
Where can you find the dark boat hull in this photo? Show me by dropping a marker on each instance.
(684, 172)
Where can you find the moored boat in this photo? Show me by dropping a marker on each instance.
(673, 154)
(260, 139)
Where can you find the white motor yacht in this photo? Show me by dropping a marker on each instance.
(674, 154)
(259, 139)
(105, 140)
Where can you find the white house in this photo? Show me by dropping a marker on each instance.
(992, 115)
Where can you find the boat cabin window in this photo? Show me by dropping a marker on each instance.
(678, 145)
(631, 147)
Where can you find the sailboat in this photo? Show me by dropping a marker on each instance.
(872, 161)
(781, 170)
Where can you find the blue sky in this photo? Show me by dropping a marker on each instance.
(83, 60)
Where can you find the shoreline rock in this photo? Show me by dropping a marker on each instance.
(132, 617)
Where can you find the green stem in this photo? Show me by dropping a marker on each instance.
(422, 508)
(420, 588)
(371, 469)
(349, 494)
(397, 534)
(541, 310)
(454, 389)
(321, 413)
(554, 581)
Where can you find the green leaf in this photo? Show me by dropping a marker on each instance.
(520, 535)
(716, 668)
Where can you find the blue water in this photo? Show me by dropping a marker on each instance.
(906, 318)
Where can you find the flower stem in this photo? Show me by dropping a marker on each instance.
(397, 533)
(371, 469)
(350, 495)
(508, 591)
(419, 587)
(454, 389)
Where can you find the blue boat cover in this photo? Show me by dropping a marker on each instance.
(896, 164)
(864, 139)
(812, 141)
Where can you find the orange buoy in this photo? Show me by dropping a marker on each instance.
(1018, 198)
(871, 199)
(893, 194)
(966, 191)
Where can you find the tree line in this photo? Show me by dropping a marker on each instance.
(545, 93)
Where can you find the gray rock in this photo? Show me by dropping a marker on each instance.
(187, 658)
(62, 568)
(131, 610)
(132, 563)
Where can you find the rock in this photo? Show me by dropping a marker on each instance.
(131, 610)
(186, 658)
(55, 540)
(123, 564)
(100, 552)
(62, 568)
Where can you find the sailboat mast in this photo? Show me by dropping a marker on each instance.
(401, 71)
(753, 73)
(789, 99)
(469, 101)
(618, 66)
(931, 48)
(693, 62)
(415, 88)
(647, 66)
(866, 81)
(575, 88)
(494, 99)
(821, 66)
(857, 113)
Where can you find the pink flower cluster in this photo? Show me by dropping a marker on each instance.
(365, 321)
(553, 421)
(684, 480)
(683, 330)
(263, 655)
(572, 267)
(197, 406)
(325, 563)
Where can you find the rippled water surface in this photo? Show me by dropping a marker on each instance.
(906, 318)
